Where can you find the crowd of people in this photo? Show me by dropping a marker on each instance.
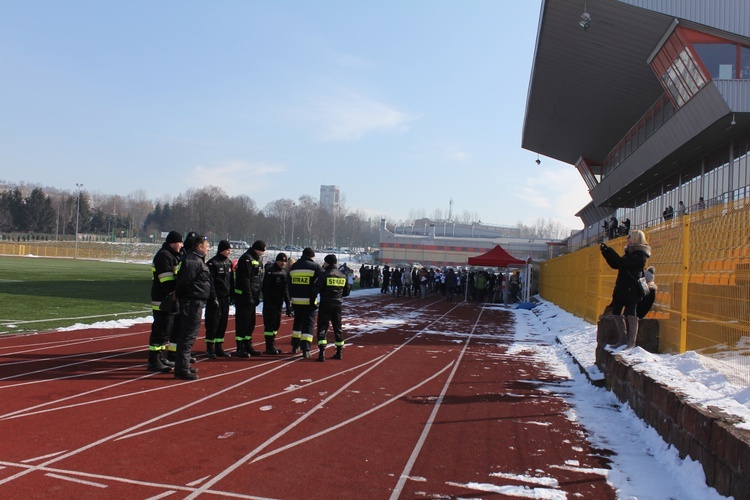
(185, 283)
(476, 285)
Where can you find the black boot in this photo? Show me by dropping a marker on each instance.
(305, 347)
(241, 349)
(188, 375)
(219, 351)
(270, 347)
(295, 345)
(322, 354)
(338, 352)
(250, 350)
(210, 353)
(165, 360)
(155, 364)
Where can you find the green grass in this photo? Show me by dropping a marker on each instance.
(39, 294)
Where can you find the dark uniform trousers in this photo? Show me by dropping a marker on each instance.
(304, 323)
(217, 317)
(244, 318)
(330, 314)
(191, 311)
(271, 317)
(161, 328)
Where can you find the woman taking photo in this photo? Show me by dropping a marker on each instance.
(626, 295)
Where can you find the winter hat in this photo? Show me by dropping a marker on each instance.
(224, 245)
(281, 256)
(174, 237)
(259, 246)
(331, 259)
(308, 252)
(189, 241)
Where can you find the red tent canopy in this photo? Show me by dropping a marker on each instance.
(496, 257)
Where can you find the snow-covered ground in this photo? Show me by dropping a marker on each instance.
(643, 465)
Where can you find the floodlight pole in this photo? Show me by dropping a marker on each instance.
(78, 211)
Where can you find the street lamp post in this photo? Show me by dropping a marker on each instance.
(78, 211)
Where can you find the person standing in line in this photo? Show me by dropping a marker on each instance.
(163, 270)
(451, 282)
(386, 280)
(192, 288)
(302, 275)
(407, 282)
(247, 284)
(217, 307)
(187, 247)
(423, 279)
(275, 295)
(332, 286)
(625, 295)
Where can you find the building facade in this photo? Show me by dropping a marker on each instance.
(648, 99)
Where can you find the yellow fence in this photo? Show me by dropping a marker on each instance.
(128, 252)
(702, 263)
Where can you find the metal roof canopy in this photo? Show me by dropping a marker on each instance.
(589, 87)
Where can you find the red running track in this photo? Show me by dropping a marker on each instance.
(427, 403)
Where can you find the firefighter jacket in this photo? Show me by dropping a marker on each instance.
(222, 276)
(332, 286)
(248, 278)
(163, 268)
(301, 277)
(275, 286)
(194, 278)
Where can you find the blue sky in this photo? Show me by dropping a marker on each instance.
(404, 105)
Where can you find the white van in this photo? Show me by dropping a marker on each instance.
(239, 245)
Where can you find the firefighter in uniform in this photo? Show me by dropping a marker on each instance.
(163, 269)
(332, 286)
(193, 288)
(275, 295)
(217, 307)
(247, 283)
(301, 277)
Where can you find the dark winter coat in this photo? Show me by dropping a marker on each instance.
(248, 279)
(222, 276)
(629, 268)
(163, 270)
(193, 279)
(275, 286)
(302, 275)
(332, 286)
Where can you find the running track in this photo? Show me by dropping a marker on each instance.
(431, 400)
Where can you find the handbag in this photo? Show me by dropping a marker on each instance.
(641, 286)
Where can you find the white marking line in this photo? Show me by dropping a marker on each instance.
(80, 481)
(76, 375)
(43, 346)
(428, 426)
(124, 480)
(35, 459)
(163, 495)
(247, 403)
(131, 429)
(198, 481)
(304, 416)
(26, 413)
(355, 418)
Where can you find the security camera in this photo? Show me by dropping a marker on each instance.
(538, 161)
(585, 21)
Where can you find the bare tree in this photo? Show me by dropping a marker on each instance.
(307, 214)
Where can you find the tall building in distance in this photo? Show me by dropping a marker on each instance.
(329, 198)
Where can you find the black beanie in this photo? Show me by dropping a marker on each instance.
(174, 237)
(308, 252)
(224, 245)
(281, 256)
(331, 259)
(259, 245)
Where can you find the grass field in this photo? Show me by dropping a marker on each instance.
(38, 294)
